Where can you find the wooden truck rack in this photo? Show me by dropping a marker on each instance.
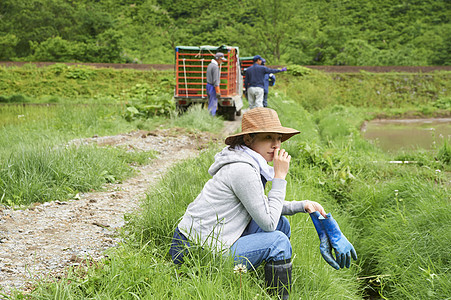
(191, 78)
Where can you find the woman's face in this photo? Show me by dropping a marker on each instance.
(264, 144)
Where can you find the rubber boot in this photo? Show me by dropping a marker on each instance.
(278, 277)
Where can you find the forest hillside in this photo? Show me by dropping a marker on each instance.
(306, 32)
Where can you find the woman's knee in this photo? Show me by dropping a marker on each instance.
(280, 248)
(255, 248)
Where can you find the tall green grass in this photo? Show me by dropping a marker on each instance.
(56, 123)
(402, 212)
(197, 119)
(42, 173)
(35, 164)
(397, 217)
(405, 236)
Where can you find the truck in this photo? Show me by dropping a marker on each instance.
(246, 62)
(191, 79)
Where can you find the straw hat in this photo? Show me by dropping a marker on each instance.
(259, 120)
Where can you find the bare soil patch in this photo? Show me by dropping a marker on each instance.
(40, 242)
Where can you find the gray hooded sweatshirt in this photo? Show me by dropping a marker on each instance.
(229, 200)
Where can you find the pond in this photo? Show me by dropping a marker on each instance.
(408, 134)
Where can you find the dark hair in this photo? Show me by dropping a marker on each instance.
(239, 141)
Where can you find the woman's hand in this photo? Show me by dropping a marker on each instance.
(312, 206)
(281, 163)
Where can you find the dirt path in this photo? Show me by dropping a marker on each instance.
(327, 69)
(40, 242)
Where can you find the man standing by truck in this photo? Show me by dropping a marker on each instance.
(254, 81)
(213, 81)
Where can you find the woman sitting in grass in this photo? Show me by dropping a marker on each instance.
(232, 214)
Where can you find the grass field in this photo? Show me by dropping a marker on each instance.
(397, 216)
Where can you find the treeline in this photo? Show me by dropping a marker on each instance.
(306, 32)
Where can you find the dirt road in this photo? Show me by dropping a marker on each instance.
(40, 242)
(328, 69)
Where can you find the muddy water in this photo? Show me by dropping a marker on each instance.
(408, 134)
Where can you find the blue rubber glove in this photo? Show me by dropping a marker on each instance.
(343, 248)
(283, 69)
(324, 246)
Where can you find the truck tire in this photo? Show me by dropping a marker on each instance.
(181, 109)
(231, 114)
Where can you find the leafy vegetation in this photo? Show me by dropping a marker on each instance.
(400, 211)
(82, 84)
(146, 102)
(316, 32)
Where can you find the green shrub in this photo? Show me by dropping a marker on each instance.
(79, 73)
(17, 98)
(146, 102)
(297, 70)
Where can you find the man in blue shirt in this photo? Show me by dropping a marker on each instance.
(270, 80)
(254, 82)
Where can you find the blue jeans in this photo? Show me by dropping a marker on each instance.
(179, 247)
(255, 245)
(212, 99)
(251, 249)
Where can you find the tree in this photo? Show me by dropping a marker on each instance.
(356, 52)
(7, 44)
(283, 31)
(272, 26)
(54, 49)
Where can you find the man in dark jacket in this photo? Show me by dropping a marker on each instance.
(254, 82)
